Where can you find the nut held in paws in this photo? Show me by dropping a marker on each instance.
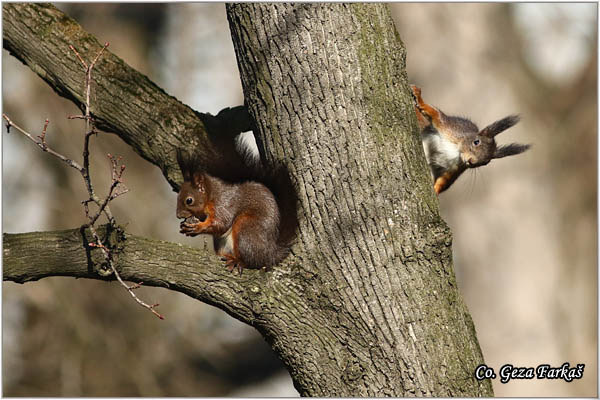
(191, 220)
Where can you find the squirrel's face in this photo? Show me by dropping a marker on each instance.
(191, 201)
(477, 150)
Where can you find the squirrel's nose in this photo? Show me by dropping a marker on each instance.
(181, 214)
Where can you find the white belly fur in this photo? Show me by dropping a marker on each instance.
(223, 244)
(439, 150)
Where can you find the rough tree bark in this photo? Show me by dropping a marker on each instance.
(367, 305)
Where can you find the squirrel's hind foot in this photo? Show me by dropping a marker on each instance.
(232, 263)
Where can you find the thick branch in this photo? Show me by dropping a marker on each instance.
(126, 102)
(195, 272)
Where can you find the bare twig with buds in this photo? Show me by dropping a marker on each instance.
(117, 187)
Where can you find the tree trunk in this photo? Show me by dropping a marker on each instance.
(367, 305)
(373, 308)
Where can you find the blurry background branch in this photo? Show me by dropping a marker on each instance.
(126, 102)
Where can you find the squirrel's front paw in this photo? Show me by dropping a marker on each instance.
(416, 92)
(190, 226)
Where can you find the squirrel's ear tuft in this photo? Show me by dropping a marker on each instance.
(510, 150)
(499, 126)
(186, 164)
(198, 181)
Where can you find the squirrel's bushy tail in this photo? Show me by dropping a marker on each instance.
(276, 177)
(279, 182)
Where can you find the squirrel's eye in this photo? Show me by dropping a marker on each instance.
(189, 201)
(476, 142)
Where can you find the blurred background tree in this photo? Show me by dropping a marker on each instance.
(524, 229)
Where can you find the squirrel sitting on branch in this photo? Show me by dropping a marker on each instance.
(249, 209)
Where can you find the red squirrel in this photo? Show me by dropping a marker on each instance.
(453, 144)
(250, 211)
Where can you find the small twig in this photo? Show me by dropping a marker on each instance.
(117, 188)
(88, 79)
(78, 56)
(78, 117)
(130, 289)
(84, 171)
(116, 174)
(43, 135)
(42, 145)
(98, 55)
(90, 130)
(109, 197)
